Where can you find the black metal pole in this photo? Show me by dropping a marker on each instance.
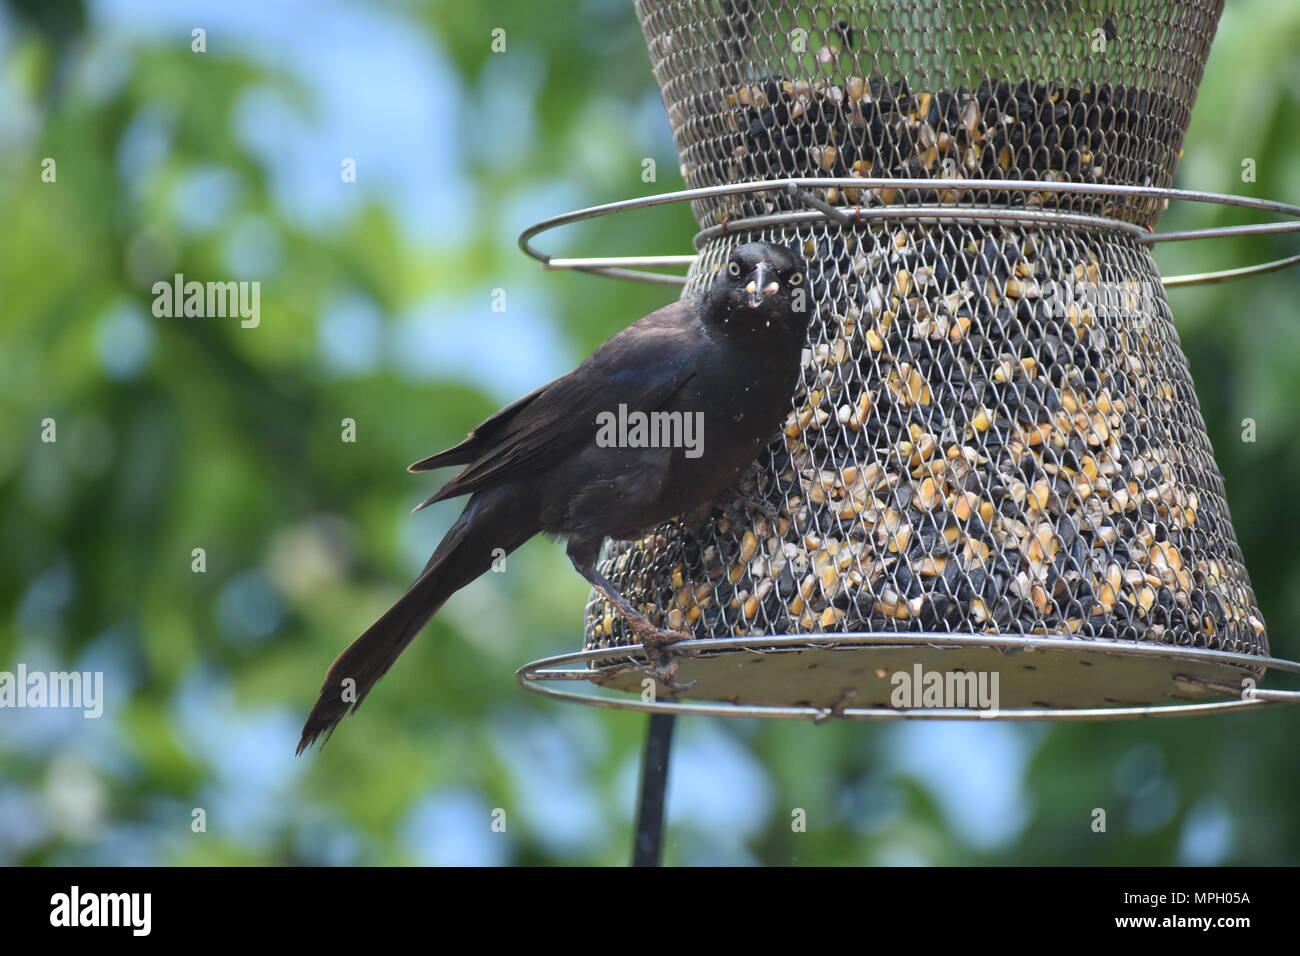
(647, 850)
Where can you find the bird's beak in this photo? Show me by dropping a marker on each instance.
(759, 286)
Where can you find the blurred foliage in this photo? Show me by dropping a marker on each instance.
(176, 434)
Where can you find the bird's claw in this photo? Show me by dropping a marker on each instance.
(763, 507)
(664, 675)
(664, 654)
(753, 504)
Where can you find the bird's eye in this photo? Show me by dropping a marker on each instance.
(796, 278)
(733, 268)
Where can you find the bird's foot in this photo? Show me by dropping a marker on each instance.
(762, 507)
(663, 652)
(753, 500)
(663, 648)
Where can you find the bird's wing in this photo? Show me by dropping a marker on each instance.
(641, 367)
(482, 437)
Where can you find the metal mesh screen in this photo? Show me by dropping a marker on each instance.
(996, 430)
(1091, 91)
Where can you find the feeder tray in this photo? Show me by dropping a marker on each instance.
(994, 462)
(853, 677)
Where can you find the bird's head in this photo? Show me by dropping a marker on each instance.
(760, 287)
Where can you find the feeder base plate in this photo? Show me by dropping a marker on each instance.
(896, 676)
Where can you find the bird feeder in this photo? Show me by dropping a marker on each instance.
(995, 461)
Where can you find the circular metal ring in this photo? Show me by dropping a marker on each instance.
(631, 267)
(601, 665)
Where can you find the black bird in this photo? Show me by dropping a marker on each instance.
(726, 361)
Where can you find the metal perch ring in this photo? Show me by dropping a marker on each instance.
(631, 267)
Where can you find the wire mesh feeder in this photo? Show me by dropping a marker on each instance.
(953, 90)
(995, 461)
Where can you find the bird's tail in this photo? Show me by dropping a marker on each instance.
(490, 527)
